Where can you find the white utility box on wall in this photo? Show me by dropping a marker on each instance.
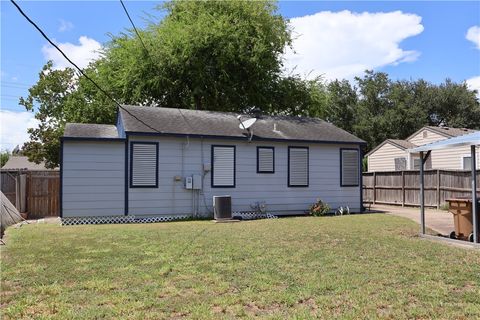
(188, 182)
(197, 182)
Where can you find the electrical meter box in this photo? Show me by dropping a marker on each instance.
(197, 182)
(188, 182)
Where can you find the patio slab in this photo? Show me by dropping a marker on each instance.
(439, 220)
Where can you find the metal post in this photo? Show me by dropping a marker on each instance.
(474, 196)
(422, 195)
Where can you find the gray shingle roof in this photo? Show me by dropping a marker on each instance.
(209, 123)
(87, 130)
(402, 143)
(451, 132)
(22, 163)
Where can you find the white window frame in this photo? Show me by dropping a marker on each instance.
(462, 161)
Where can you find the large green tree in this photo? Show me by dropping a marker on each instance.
(215, 55)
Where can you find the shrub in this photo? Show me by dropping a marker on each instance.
(319, 208)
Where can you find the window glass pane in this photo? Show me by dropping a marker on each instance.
(467, 163)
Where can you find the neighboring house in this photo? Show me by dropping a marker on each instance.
(139, 167)
(16, 163)
(392, 154)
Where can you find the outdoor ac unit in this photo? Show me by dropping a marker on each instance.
(222, 207)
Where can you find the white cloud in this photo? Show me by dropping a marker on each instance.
(88, 50)
(65, 25)
(474, 84)
(13, 128)
(473, 34)
(344, 44)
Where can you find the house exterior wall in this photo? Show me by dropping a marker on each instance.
(184, 157)
(93, 178)
(383, 159)
(430, 137)
(452, 158)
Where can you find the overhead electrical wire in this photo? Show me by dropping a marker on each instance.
(134, 27)
(78, 68)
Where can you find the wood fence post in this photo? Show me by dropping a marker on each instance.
(17, 191)
(438, 189)
(403, 188)
(374, 184)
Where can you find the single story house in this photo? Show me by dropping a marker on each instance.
(166, 162)
(393, 155)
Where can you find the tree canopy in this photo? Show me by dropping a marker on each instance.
(227, 56)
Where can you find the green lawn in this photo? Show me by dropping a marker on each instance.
(355, 266)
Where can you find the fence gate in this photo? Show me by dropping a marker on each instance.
(43, 195)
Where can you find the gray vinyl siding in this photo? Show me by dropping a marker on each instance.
(182, 157)
(93, 178)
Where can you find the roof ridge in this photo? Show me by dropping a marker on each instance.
(275, 116)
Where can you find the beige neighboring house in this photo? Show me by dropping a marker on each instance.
(16, 163)
(392, 154)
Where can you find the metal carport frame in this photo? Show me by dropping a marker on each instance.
(472, 140)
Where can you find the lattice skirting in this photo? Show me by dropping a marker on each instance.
(120, 219)
(252, 215)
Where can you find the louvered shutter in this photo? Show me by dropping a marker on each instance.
(223, 169)
(298, 167)
(265, 160)
(144, 165)
(350, 170)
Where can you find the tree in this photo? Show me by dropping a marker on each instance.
(215, 55)
(341, 104)
(58, 97)
(4, 156)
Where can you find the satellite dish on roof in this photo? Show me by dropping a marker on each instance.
(247, 123)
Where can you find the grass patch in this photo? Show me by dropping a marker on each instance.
(358, 266)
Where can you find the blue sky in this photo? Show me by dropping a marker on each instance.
(408, 40)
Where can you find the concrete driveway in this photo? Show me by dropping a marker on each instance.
(438, 220)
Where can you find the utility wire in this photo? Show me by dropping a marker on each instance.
(78, 68)
(134, 27)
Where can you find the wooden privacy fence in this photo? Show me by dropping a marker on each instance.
(403, 187)
(34, 192)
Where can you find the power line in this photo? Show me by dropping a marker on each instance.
(77, 67)
(134, 27)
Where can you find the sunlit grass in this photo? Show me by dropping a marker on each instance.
(355, 266)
